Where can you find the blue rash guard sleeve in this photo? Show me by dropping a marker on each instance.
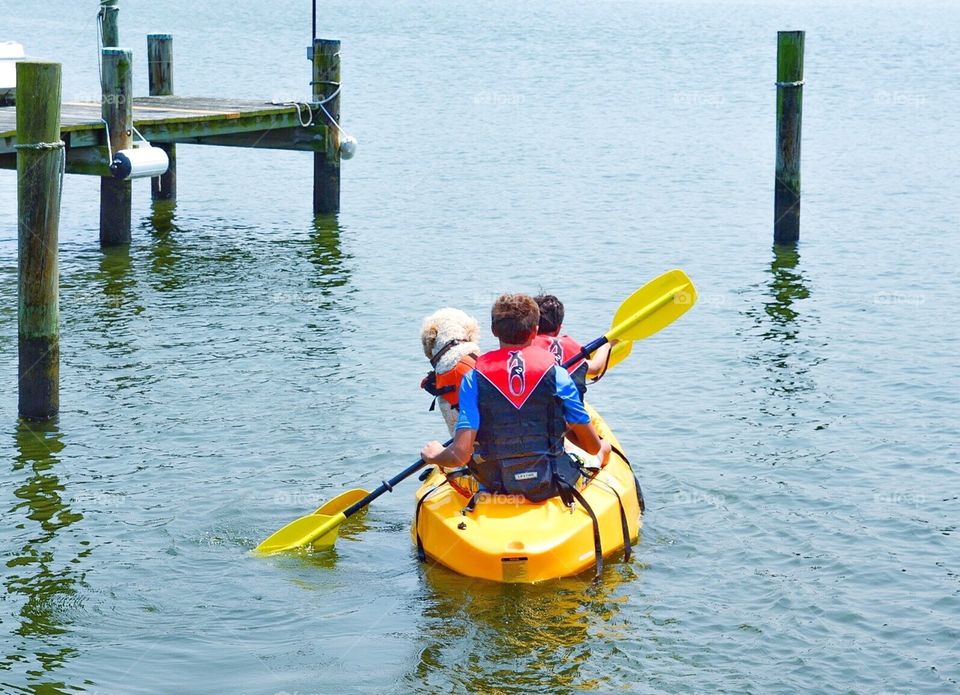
(573, 411)
(469, 418)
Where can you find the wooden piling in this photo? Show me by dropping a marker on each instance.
(40, 154)
(786, 221)
(326, 91)
(109, 25)
(117, 110)
(160, 61)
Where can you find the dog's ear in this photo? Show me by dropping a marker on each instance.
(472, 330)
(428, 335)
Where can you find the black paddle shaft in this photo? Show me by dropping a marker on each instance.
(386, 486)
(585, 351)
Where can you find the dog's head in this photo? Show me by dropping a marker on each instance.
(444, 325)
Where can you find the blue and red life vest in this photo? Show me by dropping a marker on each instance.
(564, 348)
(520, 440)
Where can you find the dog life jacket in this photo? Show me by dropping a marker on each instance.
(520, 441)
(447, 385)
(564, 348)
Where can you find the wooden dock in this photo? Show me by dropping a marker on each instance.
(42, 137)
(175, 119)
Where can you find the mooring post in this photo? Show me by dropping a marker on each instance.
(40, 160)
(786, 220)
(326, 93)
(109, 26)
(117, 111)
(160, 61)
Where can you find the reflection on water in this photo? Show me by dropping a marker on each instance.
(164, 251)
(118, 286)
(784, 346)
(492, 637)
(786, 287)
(38, 573)
(327, 257)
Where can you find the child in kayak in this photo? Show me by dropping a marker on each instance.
(515, 407)
(563, 347)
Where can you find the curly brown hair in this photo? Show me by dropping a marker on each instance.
(514, 318)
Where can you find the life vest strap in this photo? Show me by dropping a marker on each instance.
(443, 351)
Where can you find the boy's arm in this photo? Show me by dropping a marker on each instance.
(598, 360)
(580, 430)
(461, 448)
(453, 456)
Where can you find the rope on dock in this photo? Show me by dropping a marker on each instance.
(300, 106)
(330, 97)
(798, 83)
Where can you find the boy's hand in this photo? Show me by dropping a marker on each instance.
(430, 451)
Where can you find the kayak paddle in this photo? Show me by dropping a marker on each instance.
(650, 309)
(320, 528)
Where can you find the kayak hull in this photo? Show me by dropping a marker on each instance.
(506, 540)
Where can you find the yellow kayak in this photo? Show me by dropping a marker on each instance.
(506, 540)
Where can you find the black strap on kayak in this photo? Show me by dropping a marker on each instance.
(636, 480)
(624, 527)
(597, 545)
(471, 504)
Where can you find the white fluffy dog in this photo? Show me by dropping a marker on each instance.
(449, 336)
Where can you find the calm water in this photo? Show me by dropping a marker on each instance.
(796, 433)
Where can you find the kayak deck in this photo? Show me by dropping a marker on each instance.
(507, 540)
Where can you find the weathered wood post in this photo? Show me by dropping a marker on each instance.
(40, 160)
(109, 26)
(786, 219)
(160, 62)
(326, 92)
(116, 196)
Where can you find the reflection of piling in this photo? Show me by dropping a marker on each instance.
(116, 195)
(786, 221)
(40, 158)
(160, 61)
(326, 92)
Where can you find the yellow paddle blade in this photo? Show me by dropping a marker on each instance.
(653, 307)
(619, 352)
(318, 530)
(342, 501)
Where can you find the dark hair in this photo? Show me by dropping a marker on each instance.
(514, 318)
(551, 313)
